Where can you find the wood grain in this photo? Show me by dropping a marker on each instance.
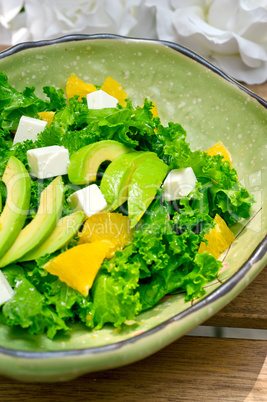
(3, 47)
(260, 90)
(191, 369)
(248, 310)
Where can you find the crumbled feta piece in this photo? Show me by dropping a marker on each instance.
(100, 100)
(48, 161)
(6, 291)
(178, 183)
(28, 129)
(89, 199)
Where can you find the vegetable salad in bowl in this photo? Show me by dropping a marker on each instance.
(105, 210)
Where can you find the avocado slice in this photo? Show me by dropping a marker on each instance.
(145, 181)
(115, 181)
(14, 214)
(85, 163)
(49, 211)
(61, 235)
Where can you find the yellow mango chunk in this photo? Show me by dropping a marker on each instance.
(47, 116)
(220, 149)
(113, 88)
(154, 110)
(219, 238)
(78, 266)
(111, 226)
(76, 86)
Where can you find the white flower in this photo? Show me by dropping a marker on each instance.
(9, 9)
(232, 34)
(5, 35)
(48, 19)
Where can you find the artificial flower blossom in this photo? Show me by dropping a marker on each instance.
(231, 34)
(9, 10)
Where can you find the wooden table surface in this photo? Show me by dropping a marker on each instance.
(191, 369)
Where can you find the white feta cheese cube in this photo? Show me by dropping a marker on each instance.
(28, 129)
(48, 161)
(178, 183)
(6, 291)
(100, 100)
(89, 199)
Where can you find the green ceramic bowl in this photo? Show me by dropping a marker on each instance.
(211, 107)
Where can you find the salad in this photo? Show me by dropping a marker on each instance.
(104, 209)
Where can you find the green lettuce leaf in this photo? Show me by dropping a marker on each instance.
(222, 192)
(18, 150)
(42, 303)
(57, 100)
(114, 298)
(76, 126)
(231, 204)
(67, 302)
(15, 104)
(28, 308)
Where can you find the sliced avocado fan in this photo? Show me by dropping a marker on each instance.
(117, 176)
(145, 182)
(14, 214)
(49, 211)
(61, 235)
(85, 163)
(136, 177)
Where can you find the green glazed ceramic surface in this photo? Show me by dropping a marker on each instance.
(210, 108)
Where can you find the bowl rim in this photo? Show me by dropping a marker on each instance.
(181, 49)
(224, 288)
